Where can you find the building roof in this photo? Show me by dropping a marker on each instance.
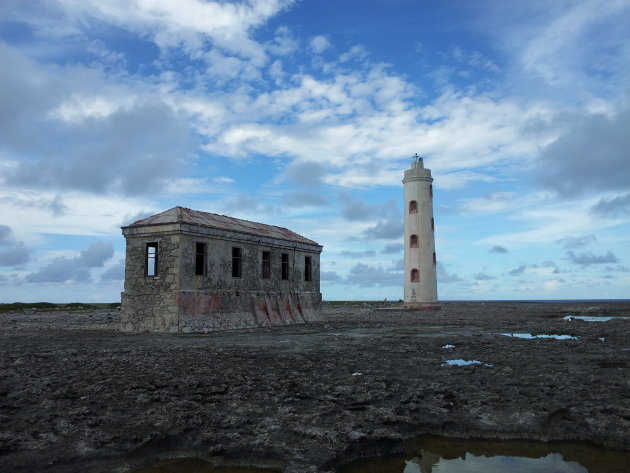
(223, 222)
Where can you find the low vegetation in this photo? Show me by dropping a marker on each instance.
(48, 306)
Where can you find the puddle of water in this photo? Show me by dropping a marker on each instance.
(197, 465)
(588, 318)
(499, 464)
(461, 362)
(530, 336)
(440, 455)
(448, 346)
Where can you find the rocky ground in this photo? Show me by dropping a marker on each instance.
(76, 395)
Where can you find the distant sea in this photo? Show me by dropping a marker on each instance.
(538, 300)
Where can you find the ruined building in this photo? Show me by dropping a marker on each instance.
(420, 259)
(191, 271)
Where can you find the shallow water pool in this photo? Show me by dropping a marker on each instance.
(530, 336)
(460, 362)
(440, 455)
(588, 318)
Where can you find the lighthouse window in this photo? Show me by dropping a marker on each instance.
(432, 224)
(434, 259)
(415, 275)
(413, 241)
(413, 207)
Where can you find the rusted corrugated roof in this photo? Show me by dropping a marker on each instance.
(205, 219)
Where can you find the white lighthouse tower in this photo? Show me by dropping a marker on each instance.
(420, 261)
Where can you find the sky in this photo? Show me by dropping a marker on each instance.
(305, 114)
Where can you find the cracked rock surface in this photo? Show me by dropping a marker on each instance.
(77, 395)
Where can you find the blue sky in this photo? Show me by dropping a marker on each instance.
(305, 114)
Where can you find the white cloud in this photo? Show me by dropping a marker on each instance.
(444, 277)
(587, 259)
(115, 272)
(357, 52)
(550, 53)
(571, 242)
(552, 285)
(276, 71)
(360, 177)
(223, 180)
(12, 251)
(85, 214)
(549, 220)
(474, 59)
(77, 108)
(61, 268)
(319, 44)
(618, 205)
(571, 51)
(196, 185)
(76, 128)
(542, 271)
(495, 202)
(367, 275)
(458, 179)
(188, 22)
(593, 155)
(223, 67)
(346, 119)
(284, 43)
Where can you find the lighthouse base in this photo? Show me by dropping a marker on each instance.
(421, 306)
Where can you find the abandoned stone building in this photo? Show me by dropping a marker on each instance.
(192, 271)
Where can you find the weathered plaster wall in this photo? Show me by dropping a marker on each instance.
(219, 264)
(179, 300)
(207, 312)
(149, 302)
(417, 187)
(217, 301)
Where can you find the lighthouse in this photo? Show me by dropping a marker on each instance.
(420, 260)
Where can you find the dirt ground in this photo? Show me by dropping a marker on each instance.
(77, 395)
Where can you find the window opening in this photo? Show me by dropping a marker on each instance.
(285, 266)
(413, 241)
(432, 224)
(431, 190)
(415, 275)
(266, 264)
(151, 260)
(434, 259)
(413, 207)
(200, 259)
(308, 268)
(237, 262)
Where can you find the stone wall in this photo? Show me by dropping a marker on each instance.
(149, 303)
(177, 300)
(218, 275)
(207, 312)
